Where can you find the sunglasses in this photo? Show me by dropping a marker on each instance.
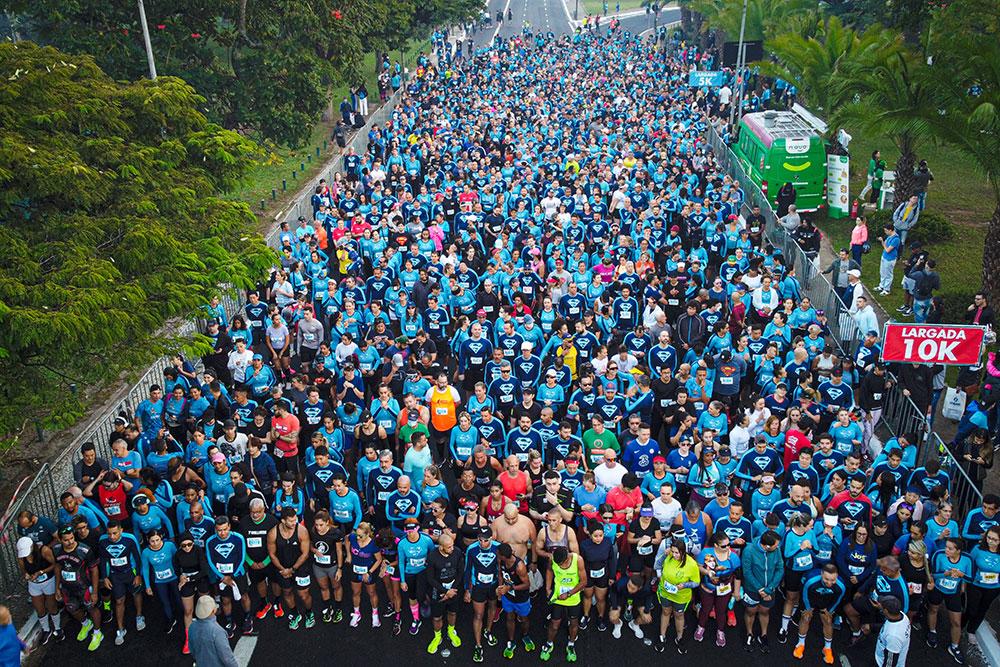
(187, 545)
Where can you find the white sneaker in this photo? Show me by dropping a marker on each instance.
(120, 637)
(355, 619)
(973, 641)
(616, 631)
(140, 623)
(376, 621)
(636, 629)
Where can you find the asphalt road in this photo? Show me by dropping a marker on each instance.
(365, 647)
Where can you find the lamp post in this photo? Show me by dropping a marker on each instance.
(576, 11)
(740, 57)
(145, 39)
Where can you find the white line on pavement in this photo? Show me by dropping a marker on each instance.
(844, 661)
(500, 23)
(244, 650)
(569, 16)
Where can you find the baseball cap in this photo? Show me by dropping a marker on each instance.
(24, 547)
(526, 345)
(229, 423)
(485, 532)
(481, 311)
(646, 511)
(141, 499)
(855, 273)
(257, 356)
(610, 386)
(873, 333)
(767, 478)
(218, 456)
(551, 373)
(659, 459)
(397, 360)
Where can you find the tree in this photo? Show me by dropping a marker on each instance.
(232, 53)
(966, 108)
(813, 63)
(891, 95)
(109, 223)
(766, 19)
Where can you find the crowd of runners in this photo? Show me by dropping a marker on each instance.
(528, 354)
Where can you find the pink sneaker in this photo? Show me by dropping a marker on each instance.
(699, 634)
(720, 638)
(355, 619)
(376, 621)
(731, 619)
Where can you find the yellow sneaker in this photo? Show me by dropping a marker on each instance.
(432, 648)
(453, 637)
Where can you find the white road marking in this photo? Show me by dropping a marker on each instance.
(844, 661)
(500, 24)
(244, 650)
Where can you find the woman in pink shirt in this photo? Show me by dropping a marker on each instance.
(859, 236)
(606, 270)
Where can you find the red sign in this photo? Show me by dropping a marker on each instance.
(949, 344)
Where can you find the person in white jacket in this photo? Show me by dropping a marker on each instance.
(239, 361)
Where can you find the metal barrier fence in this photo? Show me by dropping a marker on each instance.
(899, 415)
(42, 494)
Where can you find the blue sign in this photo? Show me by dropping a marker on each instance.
(701, 78)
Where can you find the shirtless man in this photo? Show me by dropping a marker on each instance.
(517, 530)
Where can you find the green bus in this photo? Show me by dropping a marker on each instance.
(778, 147)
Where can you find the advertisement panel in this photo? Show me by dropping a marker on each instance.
(949, 344)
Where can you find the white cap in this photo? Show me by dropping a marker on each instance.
(855, 273)
(526, 345)
(24, 547)
(397, 360)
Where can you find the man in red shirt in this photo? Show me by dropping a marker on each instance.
(796, 440)
(625, 499)
(285, 435)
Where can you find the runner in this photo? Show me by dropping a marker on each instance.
(444, 576)
(289, 547)
(823, 592)
(482, 576)
(563, 582)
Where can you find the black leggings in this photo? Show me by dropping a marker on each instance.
(978, 601)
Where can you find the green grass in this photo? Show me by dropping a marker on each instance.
(280, 161)
(958, 192)
(597, 6)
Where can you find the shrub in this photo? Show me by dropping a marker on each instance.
(931, 228)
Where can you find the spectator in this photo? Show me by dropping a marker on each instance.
(926, 280)
(859, 240)
(11, 645)
(922, 176)
(890, 253)
(839, 269)
(980, 311)
(207, 639)
(905, 217)
(870, 174)
(785, 200)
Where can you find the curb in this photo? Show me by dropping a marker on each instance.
(988, 644)
(29, 634)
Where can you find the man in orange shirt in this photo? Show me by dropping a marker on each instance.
(285, 434)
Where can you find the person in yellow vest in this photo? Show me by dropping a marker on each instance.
(444, 401)
(563, 583)
(679, 575)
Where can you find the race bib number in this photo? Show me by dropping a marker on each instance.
(360, 569)
(597, 574)
(255, 542)
(114, 509)
(383, 495)
(387, 424)
(803, 560)
(278, 453)
(322, 559)
(485, 578)
(464, 452)
(342, 515)
(441, 411)
(476, 360)
(563, 590)
(119, 562)
(506, 398)
(855, 570)
(390, 570)
(418, 562)
(645, 549)
(915, 589)
(664, 402)
(447, 585)
(989, 578)
(69, 575)
(673, 302)
(226, 568)
(726, 380)
(724, 589)
(670, 588)
(302, 581)
(163, 574)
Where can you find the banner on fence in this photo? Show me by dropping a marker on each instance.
(837, 186)
(701, 78)
(949, 344)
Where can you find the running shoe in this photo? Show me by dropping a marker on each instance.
(376, 621)
(602, 626)
(95, 640)
(58, 635)
(748, 647)
(636, 629)
(496, 614)
(570, 654)
(85, 629)
(170, 628)
(546, 651)
(278, 611)
(731, 619)
(415, 626)
(799, 651)
(828, 655)
(338, 615)
(956, 653)
(248, 629)
(294, 620)
(508, 650)
(763, 644)
(782, 636)
(140, 623)
(453, 637)
(327, 615)
(491, 639)
(720, 638)
(699, 633)
(389, 611)
(230, 628)
(932, 639)
(310, 620)
(120, 637)
(659, 646)
(616, 631)
(584, 622)
(355, 619)
(264, 611)
(681, 648)
(529, 643)
(477, 654)
(435, 642)
(397, 626)
(187, 647)
(45, 637)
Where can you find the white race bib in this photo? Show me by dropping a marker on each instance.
(302, 581)
(163, 574)
(322, 559)
(803, 560)
(485, 578)
(255, 542)
(670, 588)
(723, 589)
(915, 589)
(644, 549)
(726, 380)
(597, 574)
(118, 562)
(990, 578)
(226, 568)
(69, 575)
(360, 569)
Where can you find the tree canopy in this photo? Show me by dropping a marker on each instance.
(109, 221)
(233, 52)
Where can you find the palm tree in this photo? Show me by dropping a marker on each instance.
(966, 114)
(765, 18)
(813, 63)
(891, 93)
